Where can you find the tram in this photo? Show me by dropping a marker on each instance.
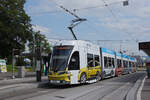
(77, 61)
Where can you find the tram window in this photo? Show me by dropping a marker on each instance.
(109, 62)
(130, 65)
(113, 63)
(74, 62)
(125, 64)
(134, 64)
(90, 60)
(96, 58)
(105, 62)
(118, 63)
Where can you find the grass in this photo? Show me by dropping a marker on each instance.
(9, 68)
(29, 69)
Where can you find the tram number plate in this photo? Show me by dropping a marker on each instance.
(55, 81)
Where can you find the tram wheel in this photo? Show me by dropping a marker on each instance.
(98, 76)
(83, 78)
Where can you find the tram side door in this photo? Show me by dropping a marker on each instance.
(90, 62)
(74, 67)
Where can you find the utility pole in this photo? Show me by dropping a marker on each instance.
(33, 55)
(39, 63)
(13, 63)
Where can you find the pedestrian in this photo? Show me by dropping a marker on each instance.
(46, 69)
(148, 69)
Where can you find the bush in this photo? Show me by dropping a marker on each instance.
(9, 68)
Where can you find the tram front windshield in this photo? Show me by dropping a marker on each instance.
(60, 57)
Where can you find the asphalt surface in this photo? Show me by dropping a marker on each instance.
(118, 88)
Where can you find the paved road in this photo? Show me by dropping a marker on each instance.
(118, 88)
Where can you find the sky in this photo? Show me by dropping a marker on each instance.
(109, 23)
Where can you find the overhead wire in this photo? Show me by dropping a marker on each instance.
(97, 6)
(46, 12)
(77, 9)
(116, 18)
(105, 4)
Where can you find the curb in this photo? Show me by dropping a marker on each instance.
(21, 86)
(21, 80)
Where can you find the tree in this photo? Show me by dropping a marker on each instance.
(40, 40)
(15, 27)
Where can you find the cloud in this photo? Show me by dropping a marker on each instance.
(42, 29)
(40, 7)
(129, 22)
(48, 32)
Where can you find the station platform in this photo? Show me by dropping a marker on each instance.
(145, 93)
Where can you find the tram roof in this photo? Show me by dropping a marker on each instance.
(75, 42)
(105, 50)
(118, 54)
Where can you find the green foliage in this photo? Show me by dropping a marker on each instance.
(40, 40)
(16, 30)
(20, 61)
(15, 27)
(29, 69)
(9, 68)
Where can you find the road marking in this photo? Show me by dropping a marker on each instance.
(140, 89)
